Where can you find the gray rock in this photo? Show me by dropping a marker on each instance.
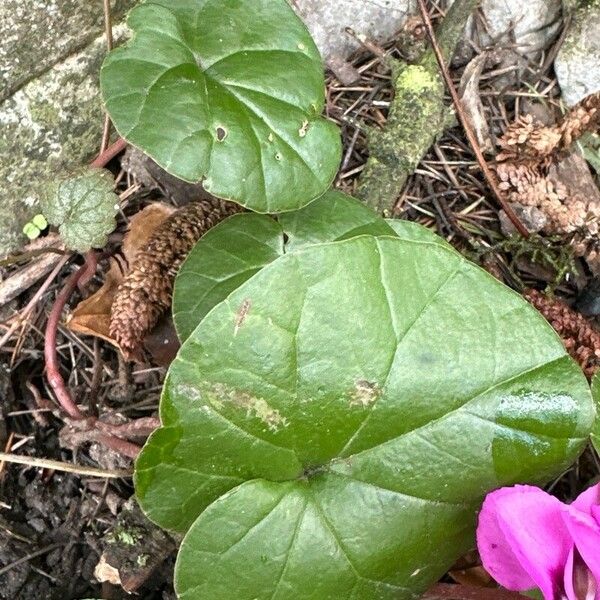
(37, 34)
(51, 125)
(327, 21)
(534, 23)
(533, 219)
(577, 62)
(525, 27)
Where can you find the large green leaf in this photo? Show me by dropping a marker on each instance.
(596, 395)
(329, 429)
(229, 91)
(242, 245)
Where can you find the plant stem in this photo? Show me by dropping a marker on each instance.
(104, 157)
(107, 434)
(55, 379)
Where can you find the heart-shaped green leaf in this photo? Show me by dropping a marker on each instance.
(229, 91)
(330, 428)
(83, 207)
(239, 247)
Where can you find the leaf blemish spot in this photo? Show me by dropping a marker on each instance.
(221, 133)
(241, 314)
(303, 129)
(364, 394)
(256, 407)
(278, 156)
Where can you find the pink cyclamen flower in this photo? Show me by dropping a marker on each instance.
(528, 539)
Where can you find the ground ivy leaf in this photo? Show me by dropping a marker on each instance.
(341, 415)
(242, 245)
(229, 92)
(83, 207)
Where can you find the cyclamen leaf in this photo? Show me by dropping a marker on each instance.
(226, 91)
(242, 245)
(596, 395)
(329, 430)
(83, 208)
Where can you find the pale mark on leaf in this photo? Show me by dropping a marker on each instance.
(241, 315)
(303, 129)
(364, 394)
(257, 407)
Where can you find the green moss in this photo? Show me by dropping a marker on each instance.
(417, 79)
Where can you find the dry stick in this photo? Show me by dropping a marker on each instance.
(44, 463)
(489, 176)
(25, 312)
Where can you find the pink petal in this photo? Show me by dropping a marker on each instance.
(585, 532)
(523, 541)
(587, 499)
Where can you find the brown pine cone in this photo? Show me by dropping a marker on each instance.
(582, 118)
(146, 292)
(580, 338)
(526, 140)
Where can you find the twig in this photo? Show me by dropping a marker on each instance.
(487, 172)
(417, 116)
(27, 310)
(7, 448)
(29, 275)
(45, 463)
(57, 383)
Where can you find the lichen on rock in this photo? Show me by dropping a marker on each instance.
(577, 62)
(49, 127)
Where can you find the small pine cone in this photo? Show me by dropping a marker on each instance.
(519, 181)
(145, 293)
(579, 337)
(526, 140)
(582, 118)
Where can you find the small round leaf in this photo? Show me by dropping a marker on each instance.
(83, 207)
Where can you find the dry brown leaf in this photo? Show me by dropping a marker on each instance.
(92, 315)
